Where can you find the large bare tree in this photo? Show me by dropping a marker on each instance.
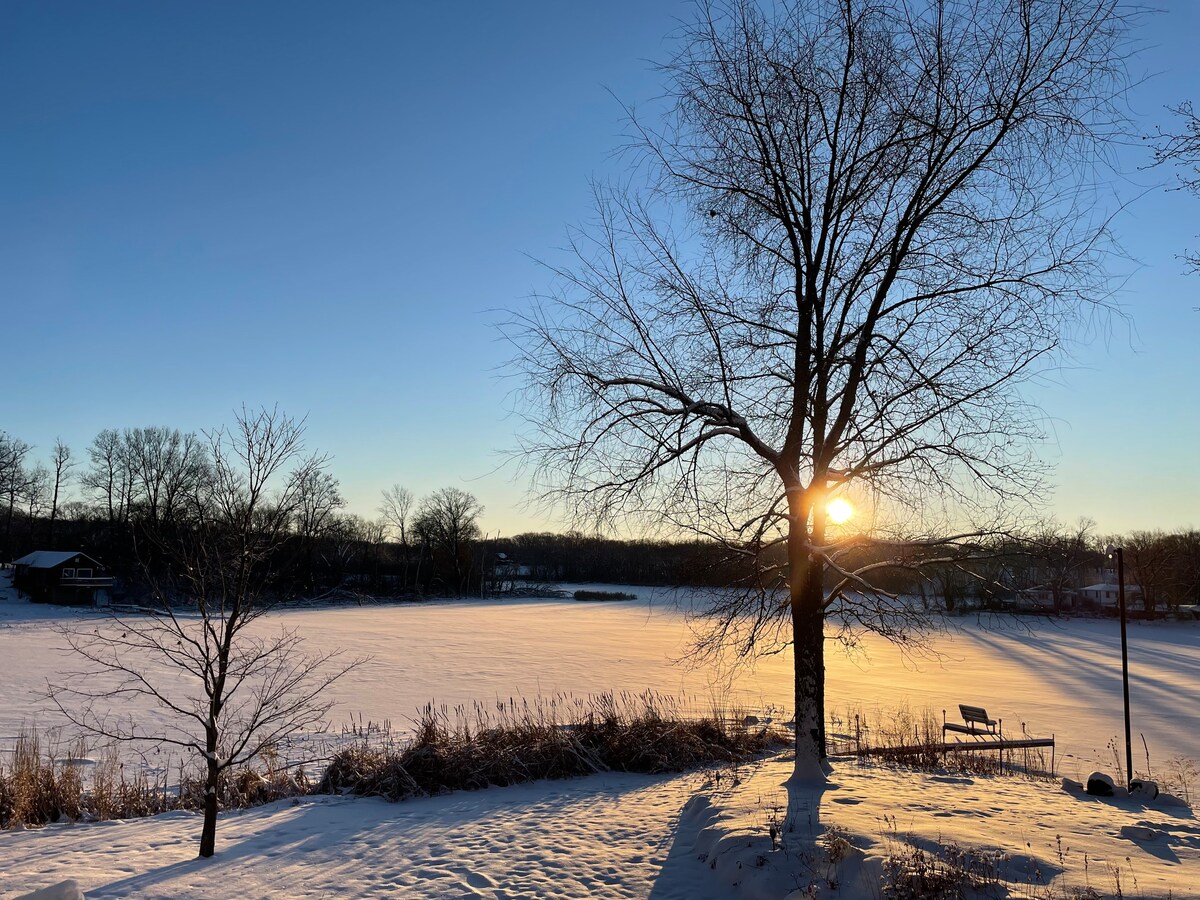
(865, 224)
(203, 675)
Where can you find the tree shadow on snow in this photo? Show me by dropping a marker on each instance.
(778, 849)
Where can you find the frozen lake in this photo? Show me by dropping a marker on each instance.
(1062, 678)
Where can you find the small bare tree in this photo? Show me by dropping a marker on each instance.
(213, 681)
(867, 223)
(1150, 558)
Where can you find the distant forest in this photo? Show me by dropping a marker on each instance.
(135, 490)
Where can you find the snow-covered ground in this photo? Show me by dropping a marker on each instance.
(628, 836)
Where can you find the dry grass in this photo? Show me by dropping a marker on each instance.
(36, 787)
(40, 785)
(451, 750)
(557, 738)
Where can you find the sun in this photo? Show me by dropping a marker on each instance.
(839, 510)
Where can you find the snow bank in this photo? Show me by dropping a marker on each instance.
(64, 890)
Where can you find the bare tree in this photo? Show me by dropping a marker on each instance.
(165, 466)
(62, 464)
(1182, 149)
(448, 522)
(109, 478)
(1061, 554)
(14, 479)
(319, 497)
(396, 509)
(1150, 560)
(223, 687)
(867, 223)
(36, 494)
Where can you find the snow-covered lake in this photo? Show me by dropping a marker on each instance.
(1061, 678)
(631, 836)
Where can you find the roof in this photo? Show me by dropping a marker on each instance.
(1106, 586)
(48, 559)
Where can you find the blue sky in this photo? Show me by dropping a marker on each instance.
(323, 205)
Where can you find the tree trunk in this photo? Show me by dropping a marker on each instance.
(808, 646)
(208, 835)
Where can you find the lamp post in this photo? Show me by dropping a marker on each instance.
(1119, 553)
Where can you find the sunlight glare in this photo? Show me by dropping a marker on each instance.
(839, 510)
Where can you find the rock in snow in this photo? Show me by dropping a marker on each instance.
(1100, 785)
(64, 890)
(1143, 790)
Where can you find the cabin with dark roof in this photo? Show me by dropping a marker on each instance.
(62, 576)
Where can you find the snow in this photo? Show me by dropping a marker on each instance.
(1037, 833)
(607, 836)
(636, 836)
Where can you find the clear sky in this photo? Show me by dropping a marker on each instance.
(322, 205)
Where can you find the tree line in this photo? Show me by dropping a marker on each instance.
(134, 482)
(132, 489)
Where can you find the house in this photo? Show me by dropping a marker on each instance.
(62, 576)
(505, 568)
(1104, 595)
(1042, 597)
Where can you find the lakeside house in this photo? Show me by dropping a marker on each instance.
(68, 577)
(1104, 595)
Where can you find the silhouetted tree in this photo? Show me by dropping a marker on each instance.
(1061, 554)
(448, 522)
(1149, 563)
(868, 223)
(62, 465)
(14, 480)
(396, 509)
(109, 478)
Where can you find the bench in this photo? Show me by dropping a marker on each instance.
(975, 722)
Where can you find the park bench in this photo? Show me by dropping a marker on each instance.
(988, 734)
(975, 722)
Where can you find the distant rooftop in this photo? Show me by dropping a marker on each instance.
(48, 559)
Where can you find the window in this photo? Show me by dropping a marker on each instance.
(83, 573)
(68, 573)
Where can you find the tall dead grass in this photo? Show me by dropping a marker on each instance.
(42, 784)
(37, 788)
(519, 741)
